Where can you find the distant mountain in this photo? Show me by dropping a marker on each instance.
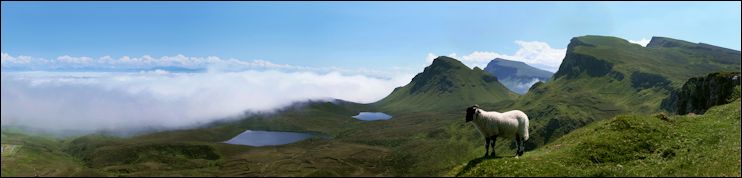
(516, 76)
(447, 83)
(603, 76)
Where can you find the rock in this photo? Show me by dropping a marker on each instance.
(663, 117)
(700, 93)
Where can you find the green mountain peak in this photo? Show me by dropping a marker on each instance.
(448, 82)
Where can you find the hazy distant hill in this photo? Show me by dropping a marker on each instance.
(516, 76)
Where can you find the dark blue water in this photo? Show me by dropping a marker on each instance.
(371, 116)
(267, 138)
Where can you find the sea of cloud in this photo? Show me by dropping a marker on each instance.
(93, 100)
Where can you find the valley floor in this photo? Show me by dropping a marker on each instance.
(410, 144)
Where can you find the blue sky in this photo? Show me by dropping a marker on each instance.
(345, 34)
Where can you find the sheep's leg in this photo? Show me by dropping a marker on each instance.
(494, 140)
(493, 145)
(519, 146)
(486, 146)
(522, 146)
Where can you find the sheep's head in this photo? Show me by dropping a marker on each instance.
(470, 111)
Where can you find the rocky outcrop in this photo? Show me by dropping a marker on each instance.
(700, 93)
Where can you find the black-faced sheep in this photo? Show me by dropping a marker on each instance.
(491, 124)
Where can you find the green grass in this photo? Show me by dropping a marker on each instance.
(411, 143)
(632, 145)
(40, 156)
(427, 135)
(602, 77)
(446, 85)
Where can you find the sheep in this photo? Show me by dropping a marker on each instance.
(491, 124)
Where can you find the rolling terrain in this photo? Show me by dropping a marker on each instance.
(601, 77)
(604, 83)
(416, 141)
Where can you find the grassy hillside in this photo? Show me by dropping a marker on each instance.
(411, 143)
(446, 84)
(632, 145)
(602, 76)
(27, 155)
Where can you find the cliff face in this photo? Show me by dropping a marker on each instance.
(700, 93)
(602, 76)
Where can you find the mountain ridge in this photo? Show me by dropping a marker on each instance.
(444, 83)
(603, 76)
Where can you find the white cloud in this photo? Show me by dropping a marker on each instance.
(429, 59)
(143, 62)
(642, 42)
(75, 60)
(8, 59)
(482, 56)
(535, 53)
(432, 56)
(160, 97)
(524, 86)
(113, 100)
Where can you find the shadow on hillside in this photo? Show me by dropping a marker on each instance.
(473, 163)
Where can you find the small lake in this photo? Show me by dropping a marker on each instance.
(372, 116)
(267, 138)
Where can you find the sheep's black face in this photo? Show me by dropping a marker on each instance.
(470, 113)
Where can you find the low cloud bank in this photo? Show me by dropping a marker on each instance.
(92, 101)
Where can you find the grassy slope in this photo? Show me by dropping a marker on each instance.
(189, 152)
(413, 143)
(632, 145)
(427, 135)
(40, 156)
(605, 76)
(418, 140)
(447, 84)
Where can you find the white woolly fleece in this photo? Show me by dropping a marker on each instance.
(507, 124)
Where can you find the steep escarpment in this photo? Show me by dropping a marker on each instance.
(700, 93)
(601, 77)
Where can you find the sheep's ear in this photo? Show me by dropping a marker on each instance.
(475, 106)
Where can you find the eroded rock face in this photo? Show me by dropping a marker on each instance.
(700, 93)
(574, 64)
